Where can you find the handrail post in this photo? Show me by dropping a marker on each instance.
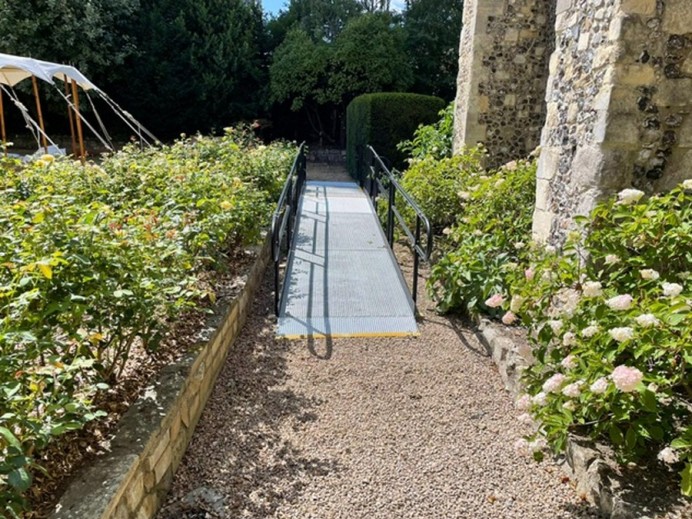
(416, 260)
(390, 214)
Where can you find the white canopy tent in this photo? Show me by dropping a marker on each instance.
(15, 69)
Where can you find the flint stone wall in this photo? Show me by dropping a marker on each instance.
(503, 67)
(619, 103)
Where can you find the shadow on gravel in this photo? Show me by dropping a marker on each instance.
(458, 328)
(325, 347)
(237, 464)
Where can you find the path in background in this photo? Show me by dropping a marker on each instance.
(363, 428)
(328, 172)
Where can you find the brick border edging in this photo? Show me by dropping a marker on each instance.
(594, 478)
(134, 477)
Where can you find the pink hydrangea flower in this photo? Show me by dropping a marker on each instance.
(540, 399)
(621, 302)
(509, 318)
(495, 301)
(554, 383)
(529, 273)
(626, 379)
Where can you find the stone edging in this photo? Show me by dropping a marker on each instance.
(134, 477)
(585, 465)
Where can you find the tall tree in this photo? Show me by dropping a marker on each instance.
(199, 64)
(91, 35)
(433, 28)
(369, 56)
(322, 20)
(320, 78)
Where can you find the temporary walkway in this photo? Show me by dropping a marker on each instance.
(342, 279)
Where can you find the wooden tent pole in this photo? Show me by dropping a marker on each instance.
(40, 114)
(80, 135)
(70, 116)
(3, 131)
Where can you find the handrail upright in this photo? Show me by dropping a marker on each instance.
(379, 172)
(283, 219)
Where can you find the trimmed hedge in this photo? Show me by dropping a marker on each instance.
(384, 120)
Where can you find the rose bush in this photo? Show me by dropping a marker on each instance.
(96, 258)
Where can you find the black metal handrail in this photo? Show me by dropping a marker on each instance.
(381, 180)
(283, 221)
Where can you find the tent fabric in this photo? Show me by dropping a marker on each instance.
(65, 72)
(14, 69)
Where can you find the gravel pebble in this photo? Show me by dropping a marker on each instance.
(364, 428)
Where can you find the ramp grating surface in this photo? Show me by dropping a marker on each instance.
(342, 279)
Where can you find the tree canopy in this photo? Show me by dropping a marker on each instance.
(187, 65)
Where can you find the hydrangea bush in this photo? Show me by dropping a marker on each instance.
(489, 240)
(611, 323)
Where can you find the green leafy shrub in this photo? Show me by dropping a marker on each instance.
(488, 241)
(382, 121)
(438, 185)
(611, 321)
(95, 259)
(432, 140)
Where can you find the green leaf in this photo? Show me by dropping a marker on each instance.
(19, 479)
(10, 438)
(616, 435)
(686, 484)
(649, 400)
(631, 438)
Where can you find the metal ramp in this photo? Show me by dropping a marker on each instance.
(342, 279)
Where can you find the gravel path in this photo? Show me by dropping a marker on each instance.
(356, 428)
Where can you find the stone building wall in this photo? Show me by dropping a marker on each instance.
(504, 51)
(619, 106)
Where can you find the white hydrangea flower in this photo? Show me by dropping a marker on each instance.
(621, 334)
(668, 456)
(538, 444)
(687, 184)
(569, 339)
(515, 303)
(590, 331)
(569, 362)
(540, 399)
(647, 320)
(464, 195)
(611, 259)
(621, 302)
(649, 274)
(599, 386)
(569, 405)
(554, 383)
(524, 402)
(519, 245)
(629, 196)
(592, 289)
(555, 325)
(572, 390)
(671, 289)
